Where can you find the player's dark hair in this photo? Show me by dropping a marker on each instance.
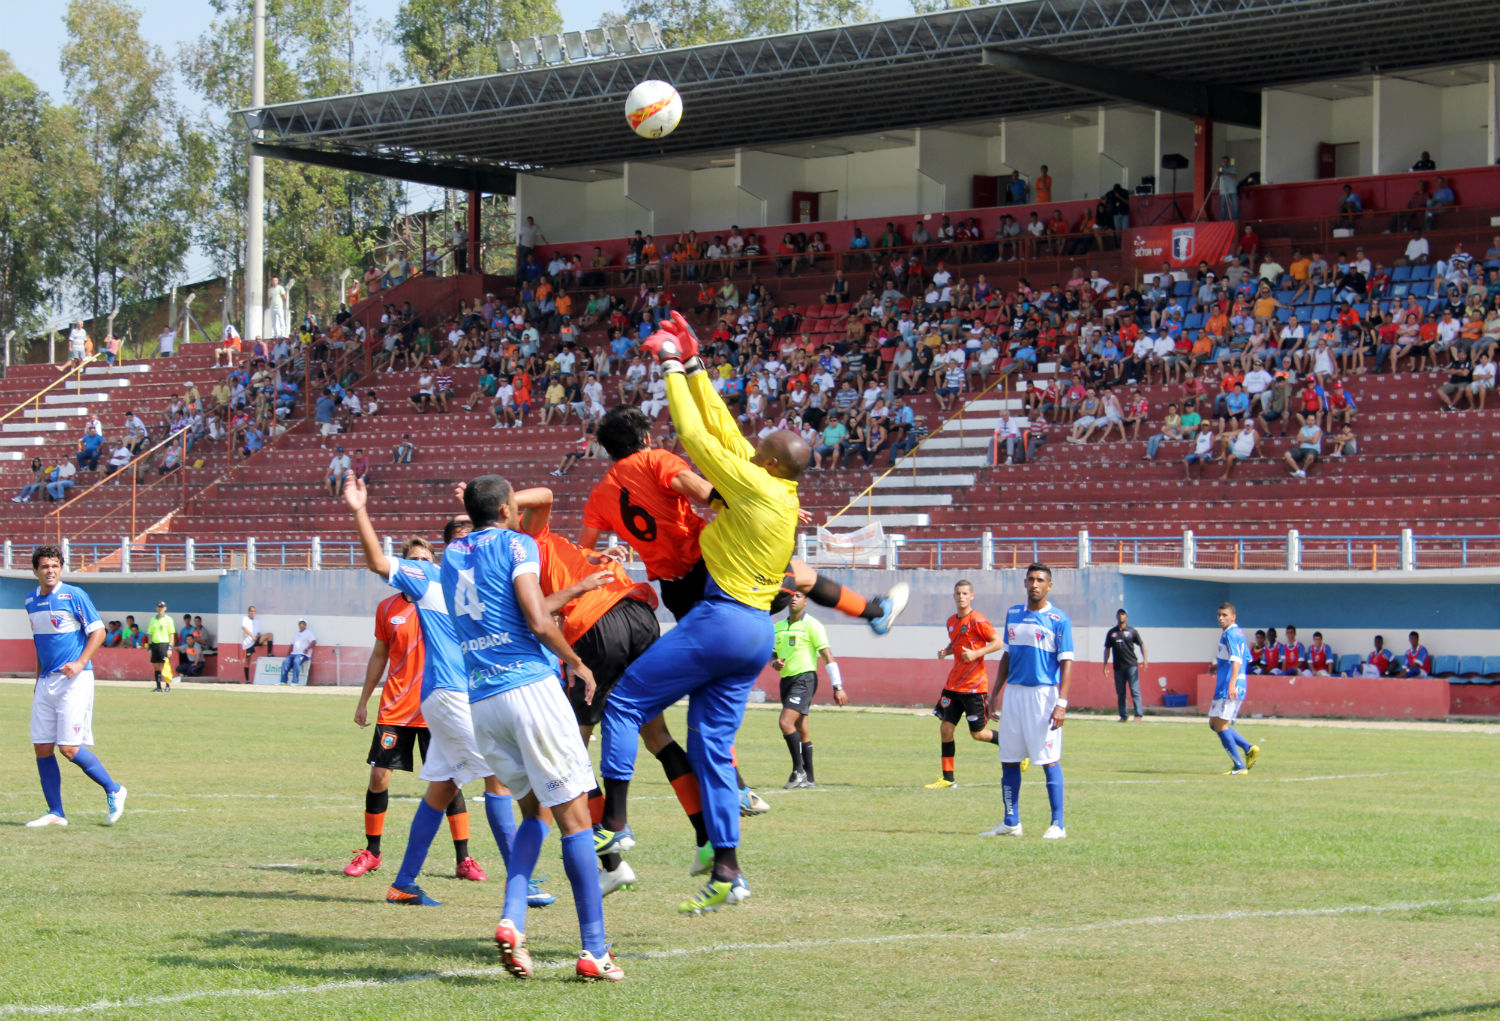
(623, 431)
(483, 499)
(456, 528)
(45, 553)
(1043, 568)
(1121, 612)
(1291, 629)
(963, 583)
(416, 542)
(1260, 634)
(1414, 635)
(1317, 634)
(1227, 606)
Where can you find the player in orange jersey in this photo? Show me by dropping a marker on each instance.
(609, 623)
(399, 724)
(971, 637)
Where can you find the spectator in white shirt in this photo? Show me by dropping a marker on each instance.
(299, 653)
(1417, 250)
(336, 469)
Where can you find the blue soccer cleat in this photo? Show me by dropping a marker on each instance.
(411, 894)
(752, 803)
(891, 604)
(536, 897)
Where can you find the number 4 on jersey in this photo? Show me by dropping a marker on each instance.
(466, 596)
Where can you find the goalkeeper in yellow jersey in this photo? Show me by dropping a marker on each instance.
(717, 650)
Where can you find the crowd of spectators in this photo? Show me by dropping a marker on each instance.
(193, 642)
(1284, 655)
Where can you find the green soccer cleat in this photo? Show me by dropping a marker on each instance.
(941, 785)
(1237, 771)
(1251, 756)
(717, 894)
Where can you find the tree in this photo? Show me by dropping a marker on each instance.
(142, 188)
(42, 165)
(688, 23)
(443, 39)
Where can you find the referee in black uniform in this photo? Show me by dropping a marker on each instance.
(1121, 643)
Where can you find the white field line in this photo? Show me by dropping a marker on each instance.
(56, 1010)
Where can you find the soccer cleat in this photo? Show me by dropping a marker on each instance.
(115, 806)
(469, 869)
(891, 604)
(594, 969)
(1054, 832)
(513, 952)
(797, 779)
(536, 897)
(612, 842)
(1236, 771)
(1000, 829)
(703, 861)
(50, 819)
(941, 785)
(752, 803)
(716, 894)
(364, 861)
(809, 784)
(1251, 756)
(622, 877)
(411, 894)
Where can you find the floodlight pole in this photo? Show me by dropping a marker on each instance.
(255, 213)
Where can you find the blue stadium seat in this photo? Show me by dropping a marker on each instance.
(1183, 302)
(1363, 308)
(1193, 321)
(1322, 313)
(1350, 661)
(1323, 295)
(1444, 666)
(1471, 666)
(1492, 666)
(1285, 296)
(1421, 272)
(1420, 288)
(1182, 288)
(1400, 290)
(1492, 264)
(1401, 274)
(1283, 315)
(1304, 312)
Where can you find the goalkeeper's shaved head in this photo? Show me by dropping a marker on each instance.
(783, 454)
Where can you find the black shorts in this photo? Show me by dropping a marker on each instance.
(954, 705)
(797, 691)
(607, 648)
(160, 651)
(686, 592)
(390, 746)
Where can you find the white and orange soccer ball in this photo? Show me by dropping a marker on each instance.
(653, 109)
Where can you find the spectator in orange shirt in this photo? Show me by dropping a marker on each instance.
(1042, 186)
(1056, 228)
(1300, 270)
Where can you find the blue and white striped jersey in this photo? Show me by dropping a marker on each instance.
(61, 622)
(1036, 643)
(443, 663)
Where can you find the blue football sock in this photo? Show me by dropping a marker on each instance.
(582, 867)
(51, 783)
(1010, 791)
(1226, 738)
(424, 826)
(1240, 742)
(523, 854)
(92, 768)
(1053, 773)
(502, 823)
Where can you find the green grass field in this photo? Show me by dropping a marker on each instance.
(1353, 874)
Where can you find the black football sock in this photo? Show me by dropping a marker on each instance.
(739, 778)
(458, 825)
(726, 865)
(807, 760)
(949, 749)
(376, 803)
(994, 737)
(158, 680)
(615, 794)
(674, 762)
(795, 746)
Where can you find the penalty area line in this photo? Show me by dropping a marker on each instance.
(58, 1010)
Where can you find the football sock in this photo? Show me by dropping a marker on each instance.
(1233, 749)
(1010, 791)
(583, 877)
(831, 594)
(1239, 741)
(458, 825)
(1053, 773)
(807, 760)
(424, 826)
(51, 783)
(86, 760)
(674, 762)
(158, 680)
(949, 748)
(376, 803)
(726, 864)
(615, 794)
(247, 669)
(596, 806)
(994, 737)
(794, 745)
(502, 823)
(523, 855)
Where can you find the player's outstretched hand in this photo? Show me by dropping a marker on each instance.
(663, 346)
(619, 554)
(459, 490)
(597, 580)
(804, 516)
(684, 331)
(355, 494)
(586, 675)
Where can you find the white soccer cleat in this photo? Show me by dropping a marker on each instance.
(1002, 830)
(116, 806)
(50, 819)
(1054, 832)
(620, 878)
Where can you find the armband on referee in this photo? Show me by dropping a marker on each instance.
(834, 677)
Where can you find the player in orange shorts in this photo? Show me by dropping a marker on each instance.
(971, 637)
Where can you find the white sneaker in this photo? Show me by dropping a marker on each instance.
(620, 878)
(1299, 474)
(1002, 830)
(50, 819)
(1054, 832)
(116, 803)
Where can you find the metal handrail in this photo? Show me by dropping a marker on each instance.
(134, 465)
(35, 399)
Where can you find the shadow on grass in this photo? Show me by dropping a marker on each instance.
(320, 898)
(300, 870)
(1423, 1015)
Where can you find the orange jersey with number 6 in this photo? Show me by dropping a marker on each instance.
(635, 500)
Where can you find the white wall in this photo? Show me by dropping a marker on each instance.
(769, 180)
(1291, 126)
(1128, 137)
(880, 183)
(1408, 119)
(1026, 145)
(1173, 135)
(950, 160)
(665, 192)
(1464, 140)
(610, 213)
(715, 199)
(558, 206)
(1353, 120)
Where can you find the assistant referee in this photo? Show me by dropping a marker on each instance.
(800, 642)
(161, 631)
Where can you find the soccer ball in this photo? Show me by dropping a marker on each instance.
(653, 109)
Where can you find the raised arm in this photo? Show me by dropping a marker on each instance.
(357, 498)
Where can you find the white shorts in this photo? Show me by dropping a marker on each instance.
(1025, 729)
(452, 754)
(62, 709)
(1225, 709)
(329, 428)
(529, 736)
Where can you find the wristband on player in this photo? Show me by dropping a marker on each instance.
(668, 365)
(1062, 703)
(834, 676)
(693, 366)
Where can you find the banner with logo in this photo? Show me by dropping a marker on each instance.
(1183, 245)
(861, 547)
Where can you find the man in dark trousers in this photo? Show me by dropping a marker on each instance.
(1121, 643)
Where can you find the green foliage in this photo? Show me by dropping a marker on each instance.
(443, 39)
(688, 23)
(43, 166)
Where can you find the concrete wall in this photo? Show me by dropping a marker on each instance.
(1465, 127)
(950, 160)
(1291, 126)
(1408, 119)
(1128, 137)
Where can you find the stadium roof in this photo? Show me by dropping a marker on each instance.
(1024, 57)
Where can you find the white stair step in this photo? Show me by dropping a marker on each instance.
(56, 399)
(992, 405)
(134, 368)
(36, 427)
(856, 518)
(905, 500)
(99, 384)
(970, 440)
(12, 455)
(925, 461)
(22, 441)
(974, 424)
(74, 411)
(897, 480)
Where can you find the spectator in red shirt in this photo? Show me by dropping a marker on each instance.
(1321, 659)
